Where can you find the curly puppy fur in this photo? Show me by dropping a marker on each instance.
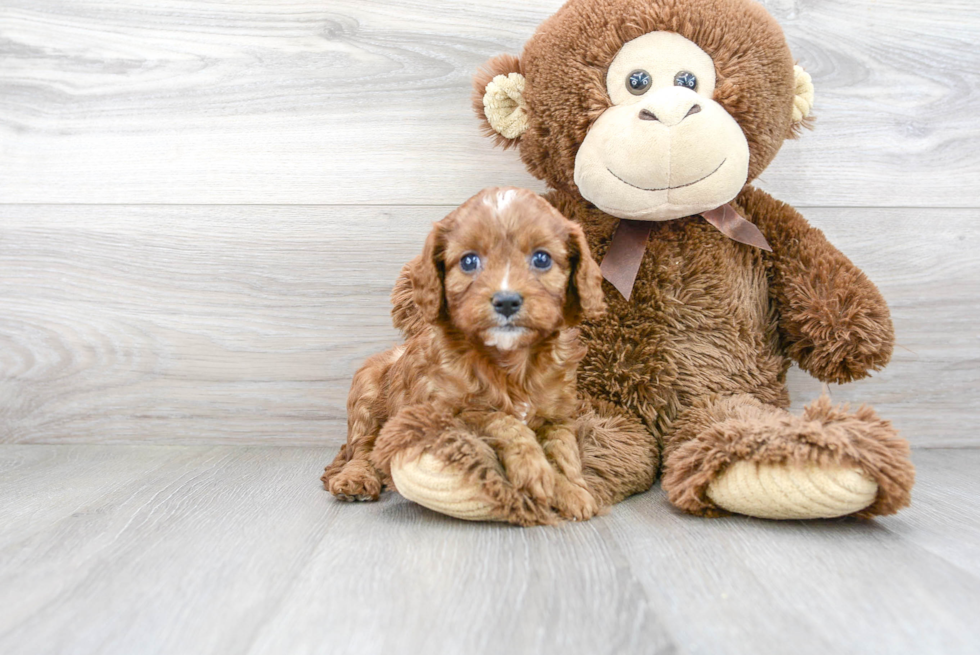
(709, 318)
(486, 388)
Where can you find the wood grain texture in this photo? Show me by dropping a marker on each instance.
(837, 586)
(245, 324)
(356, 101)
(198, 550)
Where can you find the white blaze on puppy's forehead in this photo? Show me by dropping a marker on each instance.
(505, 197)
(504, 282)
(500, 199)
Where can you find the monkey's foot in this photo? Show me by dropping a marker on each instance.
(739, 455)
(786, 491)
(428, 481)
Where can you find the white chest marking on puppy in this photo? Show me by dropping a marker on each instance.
(525, 408)
(503, 338)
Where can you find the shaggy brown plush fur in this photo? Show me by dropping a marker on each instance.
(711, 318)
(565, 64)
(695, 362)
(474, 384)
(717, 432)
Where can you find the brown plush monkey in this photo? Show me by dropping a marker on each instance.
(648, 119)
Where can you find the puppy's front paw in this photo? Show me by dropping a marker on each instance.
(535, 477)
(356, 481)
(574, 503)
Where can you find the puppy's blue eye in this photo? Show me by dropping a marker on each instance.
(541, 260)
(469, 262)
(685, 79)
(638, 82)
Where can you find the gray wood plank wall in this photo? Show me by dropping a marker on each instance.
(203, 205)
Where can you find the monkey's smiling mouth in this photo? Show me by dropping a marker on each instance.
(668, 188)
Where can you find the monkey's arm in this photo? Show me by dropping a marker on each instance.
(833, 321)
(405, 315)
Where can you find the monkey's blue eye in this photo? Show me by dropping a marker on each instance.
(638, 82)
(541, 260)
(469, 262)
(685, 79)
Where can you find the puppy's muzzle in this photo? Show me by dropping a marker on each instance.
(507, 303)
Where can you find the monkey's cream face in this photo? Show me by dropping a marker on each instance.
(664, 149)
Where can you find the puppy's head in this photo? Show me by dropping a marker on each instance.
(507, 269)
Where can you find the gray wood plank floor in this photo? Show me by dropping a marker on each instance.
(144, 549)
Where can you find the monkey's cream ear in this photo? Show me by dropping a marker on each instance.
(803, 97)
(498, 98)
(504, 106)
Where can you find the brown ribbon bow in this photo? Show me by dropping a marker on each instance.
(622, 260)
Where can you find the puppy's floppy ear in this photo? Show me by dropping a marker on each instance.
(405, 314)
(429, 273)
(498, 99)
(584, 299)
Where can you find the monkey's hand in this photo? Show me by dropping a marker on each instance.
(833, 321)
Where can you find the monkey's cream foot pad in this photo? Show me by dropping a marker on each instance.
(429, 482)
(783, 491)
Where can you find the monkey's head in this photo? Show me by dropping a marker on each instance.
(648, 109)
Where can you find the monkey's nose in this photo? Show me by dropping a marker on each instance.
(670, 116)
(507, 303)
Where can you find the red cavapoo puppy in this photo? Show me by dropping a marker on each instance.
(500, 284)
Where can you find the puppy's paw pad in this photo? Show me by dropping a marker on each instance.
(535, 479)
(355, 482)
(575, 503)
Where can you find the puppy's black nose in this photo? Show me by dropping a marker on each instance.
(507, 303)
